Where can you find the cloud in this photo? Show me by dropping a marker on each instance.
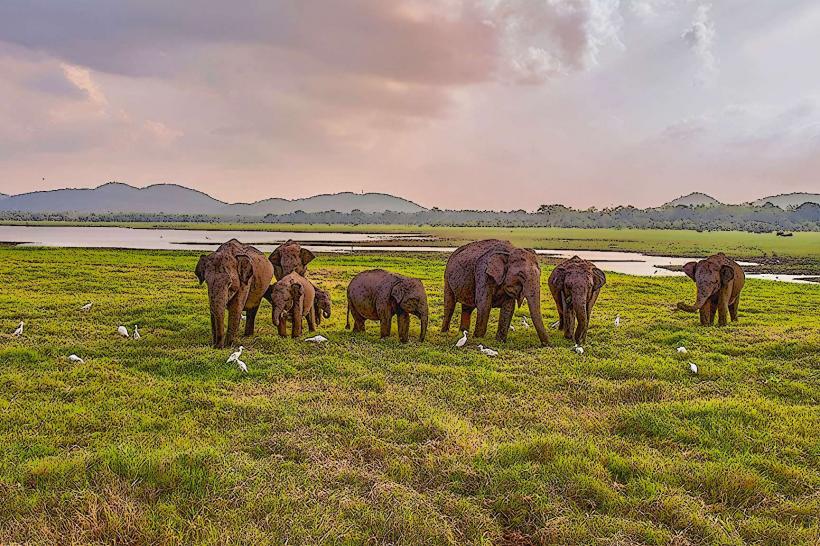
(700, 37)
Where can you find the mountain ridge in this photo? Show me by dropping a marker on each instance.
(782, 200)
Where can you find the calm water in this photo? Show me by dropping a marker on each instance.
(631, 263)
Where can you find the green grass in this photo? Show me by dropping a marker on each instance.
(369, 441)
(740, 244)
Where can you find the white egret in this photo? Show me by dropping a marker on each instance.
(19, 331)
(316, 339)
(136, 333)
(682, 350)
(617, 321)
(693, 368)
(578, 349)
(123, 331)
(235, 355)
(487, 351)
(241, 365)
(77, 359)
(462, 341)
(524, 322)
(87, 306)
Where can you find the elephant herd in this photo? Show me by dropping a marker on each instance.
(480, 276)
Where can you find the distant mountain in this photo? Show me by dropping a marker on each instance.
(694, 199)
(175, 199)
(786, 200)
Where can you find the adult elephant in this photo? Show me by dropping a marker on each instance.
(575, 284)
(238, 276)
(719, 281)
(379, 295)
(492, 273)
(290, 257)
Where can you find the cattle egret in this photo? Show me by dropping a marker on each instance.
(19, 331)
(682, 350)
(75, 358)
(487, 351)
(555, 324)
(86, 307)
(578, 349)
(524, 322)
(235, 355)
(693, 368)
(617, 321)
(241, 365)
(136, 333)
(123, 331)
(316, 339)
(462, 341)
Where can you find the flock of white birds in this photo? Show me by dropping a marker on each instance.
(234, 358)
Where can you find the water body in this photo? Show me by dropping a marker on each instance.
(630, 263)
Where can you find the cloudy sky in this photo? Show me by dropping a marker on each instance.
(455, 103)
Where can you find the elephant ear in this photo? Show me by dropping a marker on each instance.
(245, 268)
(399, 292)
(497, 267)
(726, 274)
(200, 267)
(306, 255)
(598, 278)
(557, 278)
(689, 268)
(275, 257)
(296, 291)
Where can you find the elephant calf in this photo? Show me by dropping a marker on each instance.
(292, 298)
(575, 285)
(321, 304)
(719, 281)
(378, 295)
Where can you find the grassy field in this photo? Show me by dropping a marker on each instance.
(653, 241)
(368, 441)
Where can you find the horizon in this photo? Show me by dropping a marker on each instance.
(458, 104)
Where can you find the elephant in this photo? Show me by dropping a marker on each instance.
(719, 281)
(238, 276)
(378, 295)
(321, 304)
(292, 297)
(575, 284)
(290, 257)
(487, 274)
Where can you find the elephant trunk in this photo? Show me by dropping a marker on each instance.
(533, 298)
(701, 300)
(579, 305)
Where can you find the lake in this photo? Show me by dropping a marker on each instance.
(630, 263)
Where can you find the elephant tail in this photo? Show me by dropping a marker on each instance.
(347, 322)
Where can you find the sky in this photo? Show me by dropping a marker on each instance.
(487, 104)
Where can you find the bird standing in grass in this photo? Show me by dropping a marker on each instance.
(682, 350)
(77, 359)
(136, 333)
(693, 368)
(87, 306)
(617, 321)
(462, 341)
(19, 331)
(241, 365)
(487, 351)
(123, 331)
(316, 339)
(578, 349)
(235, 355)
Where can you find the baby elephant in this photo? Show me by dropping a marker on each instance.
(321, 304)
(378, 295)
(292, 298)
(719, 281)
(575, 285)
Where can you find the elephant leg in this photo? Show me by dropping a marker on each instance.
(560, 306)
(283, 327)
(466, 315)
(298, 317)
(449, 307)
(312, 321)
(386, 320)
(504, 319)
(250, 321)
(403, 321)
(733, 308)
(723, 308)
(484, 303)
(234, 318)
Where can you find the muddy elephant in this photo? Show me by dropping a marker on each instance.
(575, 285)
(719, 281)
(290, 257)
(292, 298)
(321, 304)
(488, 274)
(380, 294)
(238, 276)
